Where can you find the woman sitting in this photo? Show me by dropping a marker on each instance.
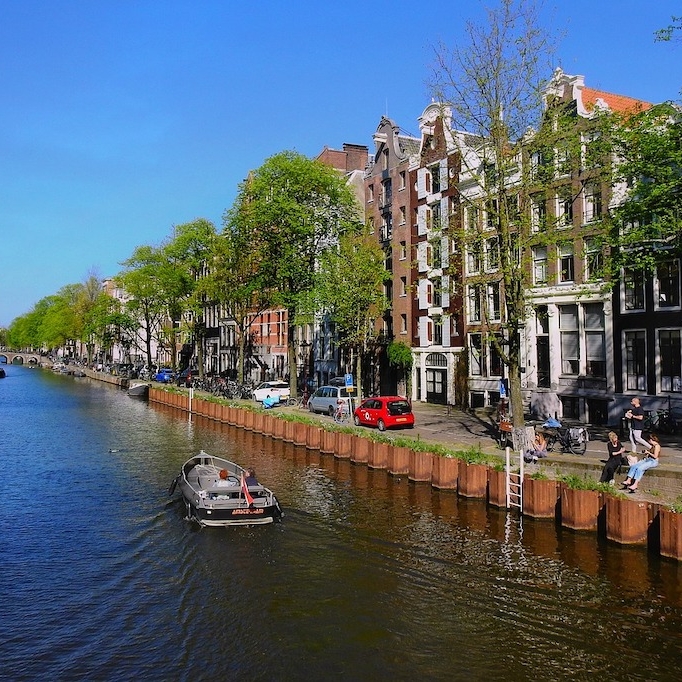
(616, 452)
(649, 462)
(539, 449)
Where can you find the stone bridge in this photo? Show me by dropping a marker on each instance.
(9, 358)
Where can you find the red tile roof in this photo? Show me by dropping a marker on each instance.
(615, 102)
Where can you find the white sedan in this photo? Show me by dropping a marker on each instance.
(269, 389)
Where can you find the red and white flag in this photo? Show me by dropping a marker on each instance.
(245, 490)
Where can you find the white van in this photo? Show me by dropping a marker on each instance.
(325, 399)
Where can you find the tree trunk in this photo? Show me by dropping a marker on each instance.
(291, 353)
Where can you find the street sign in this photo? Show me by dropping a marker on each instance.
(349, 382)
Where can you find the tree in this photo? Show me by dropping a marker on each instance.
(349, 288)
(142, 282)
(492, 85)
(188, 252)
(237, 278)
(648, 222)
(400, 356)
(296, 208)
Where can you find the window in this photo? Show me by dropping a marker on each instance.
(492, 214)
(564, 209)
(538, 217)
(386, 192)
(371, 224)
(403, 250)
(437, 292)
(438, 331)
(563, 160)
(435, 179)
(594, 260)
(472, 215)
(403, 286)
(494, 301)
(476, 354)
(670, 351)
(570, 407)
(566, 265)
(495, 361)
(403, 323)
(492, 253)
(537, 161)
(403, 215)
(635, 361)
(474, 303)
(473, 259)
(592, 209)
(386, 227)
(402, 177)
(633, 285)
(570, 342)
(667, 284)
(370, 193)
(595, 347)
(436, 216)
(437, 253)
(384, 159)
(591, 151)
(539, 265)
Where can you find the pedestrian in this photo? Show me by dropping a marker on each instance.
(616, 451)
(635, 417)
(649, 462)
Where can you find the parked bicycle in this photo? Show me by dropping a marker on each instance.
(663, 421)
(571, 439)
(342, 414)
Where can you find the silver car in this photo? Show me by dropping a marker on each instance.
(326, 398)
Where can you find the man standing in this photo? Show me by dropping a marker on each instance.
(635, 417)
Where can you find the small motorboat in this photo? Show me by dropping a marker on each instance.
(139, 389)
(216, 494)
(2, 373)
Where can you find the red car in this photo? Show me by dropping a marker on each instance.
(384, 412)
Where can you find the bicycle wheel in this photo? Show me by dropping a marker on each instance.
(577, 447)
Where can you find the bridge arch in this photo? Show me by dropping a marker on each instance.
(8, 358)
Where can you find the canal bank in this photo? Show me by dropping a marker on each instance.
(624, 519)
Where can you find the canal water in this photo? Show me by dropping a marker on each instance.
(367, 577)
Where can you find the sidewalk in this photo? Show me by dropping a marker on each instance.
(456, 428)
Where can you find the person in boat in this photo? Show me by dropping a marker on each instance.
(223, 480)
(251, 477)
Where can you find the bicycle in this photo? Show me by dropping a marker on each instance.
(663, 421)
(342, 414)
(570, 439)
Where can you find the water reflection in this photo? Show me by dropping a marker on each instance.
(369, 576)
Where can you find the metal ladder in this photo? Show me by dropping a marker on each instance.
(514, 481)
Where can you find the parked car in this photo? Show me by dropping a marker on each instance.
(184, 378)
(384, 412)
(326, 399)
(269, 389)
(165, 376)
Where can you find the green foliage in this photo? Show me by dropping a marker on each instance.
(676, 505)
(647, 226)
(583, 483)
(400, 355)
(539, 475)
(349, 287)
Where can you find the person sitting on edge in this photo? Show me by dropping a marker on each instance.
(616, 451)
(649, 462)
(251, 477)
(635, 415)
(539, 449)
(223, 480)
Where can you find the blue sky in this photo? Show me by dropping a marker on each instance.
(122, 118)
